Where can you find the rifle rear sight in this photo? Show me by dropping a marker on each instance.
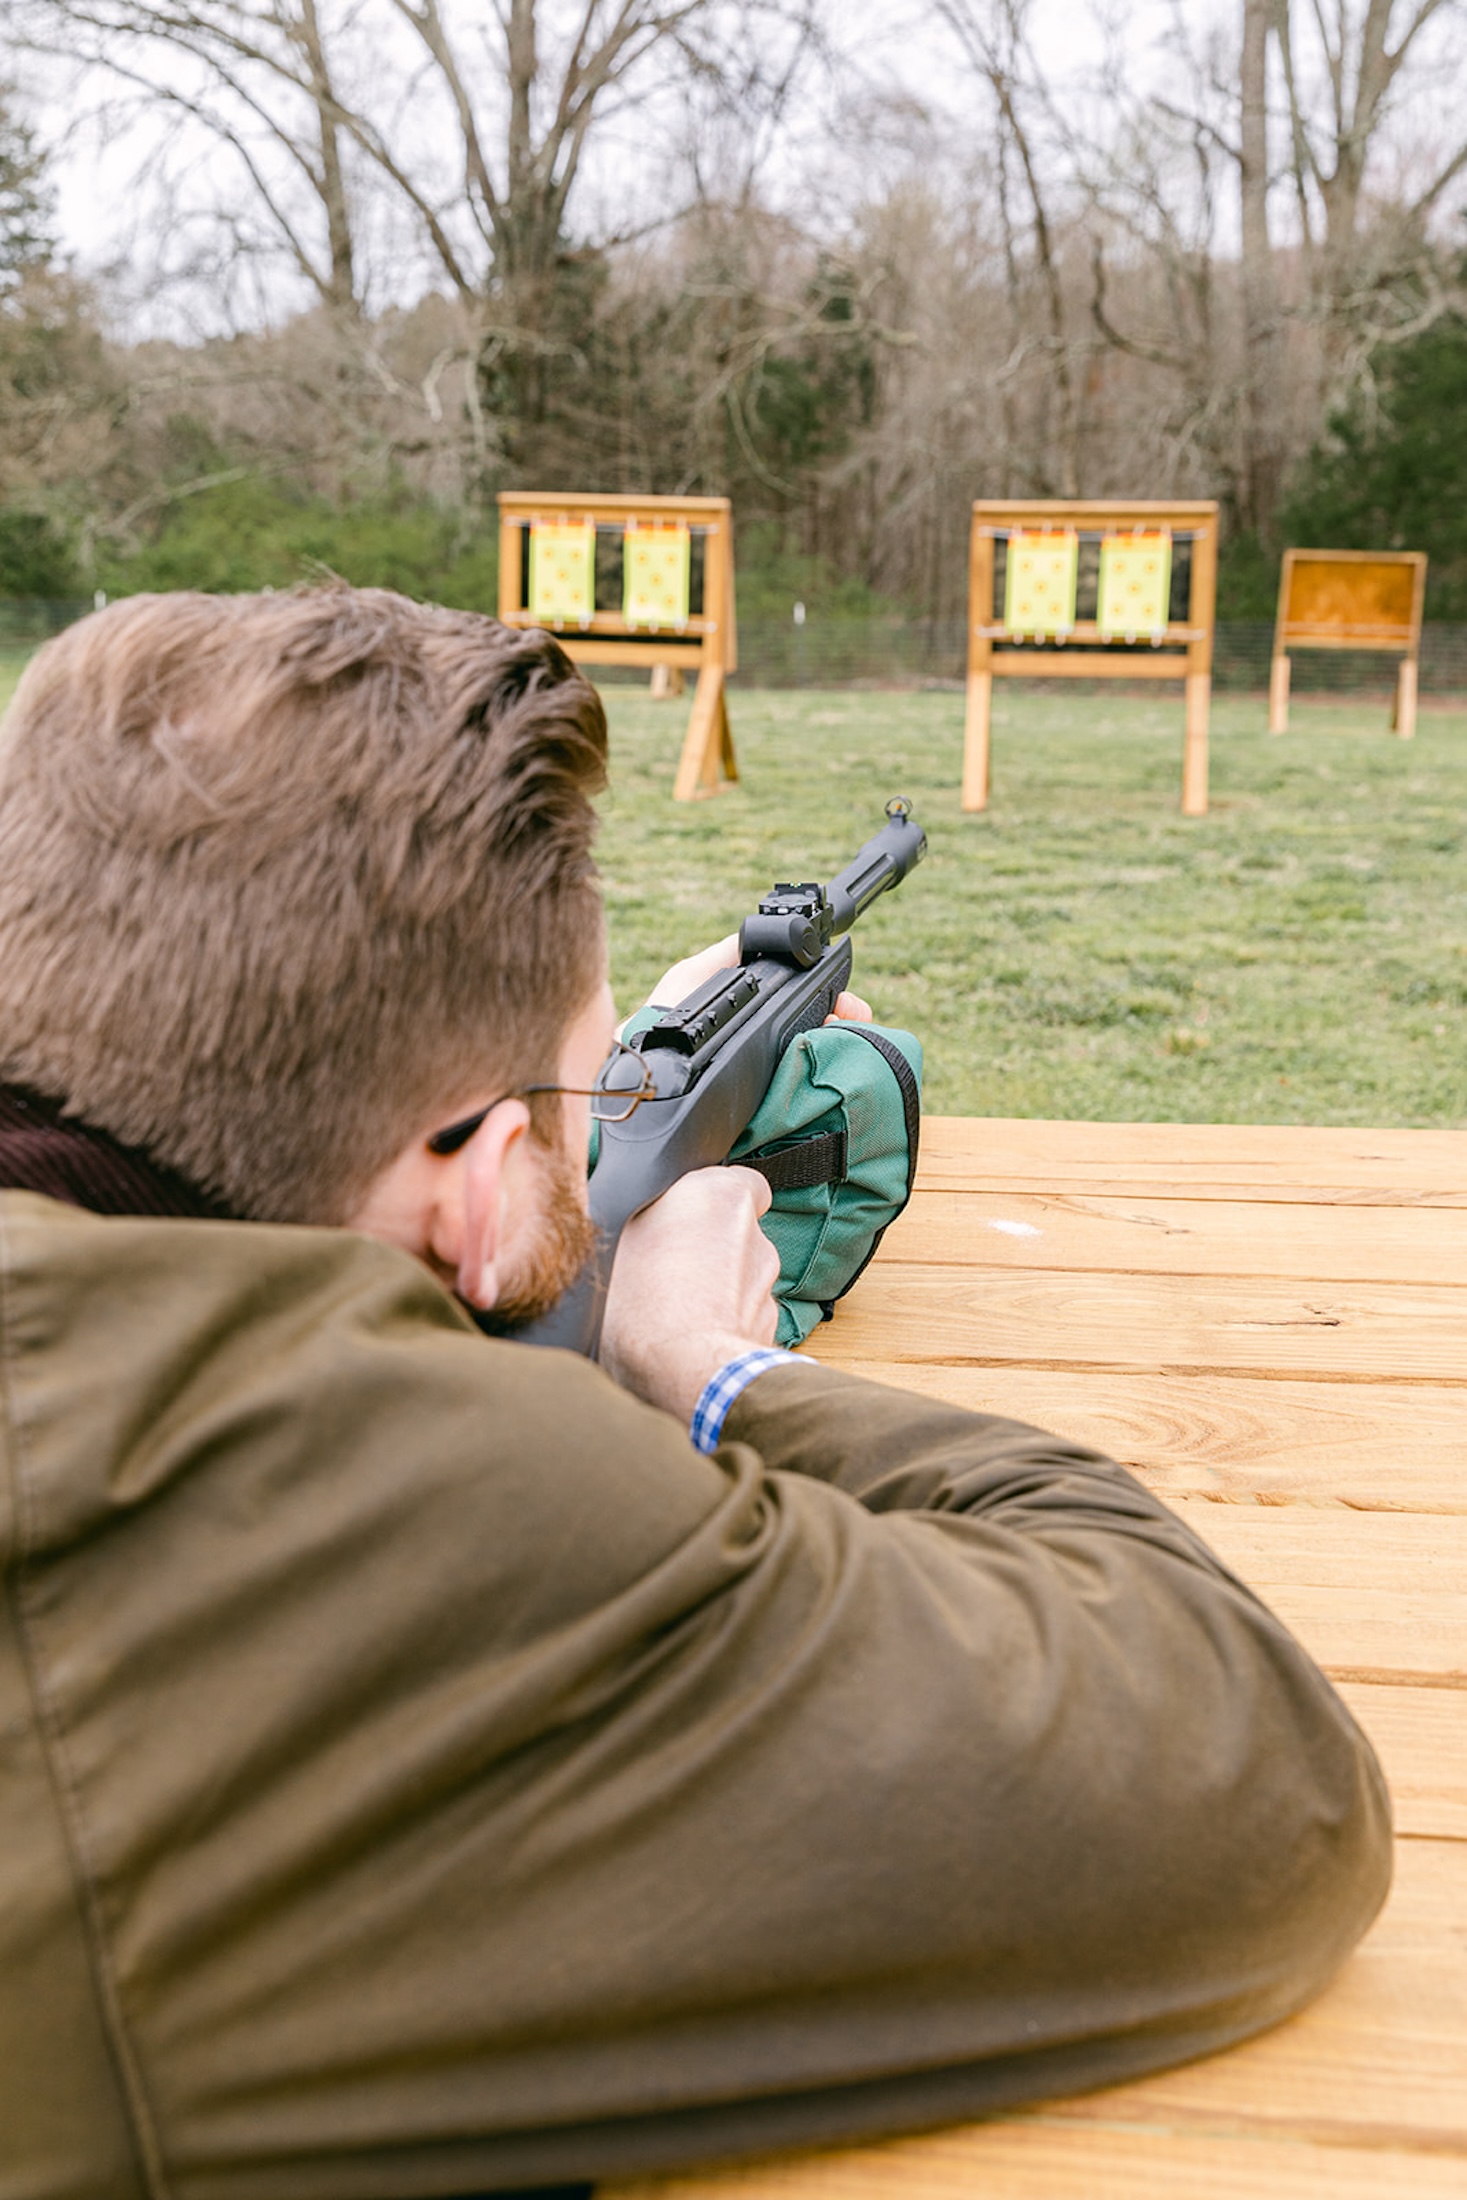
(793, 924)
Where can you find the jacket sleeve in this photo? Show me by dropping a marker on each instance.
(471, 1786)
(1148, 1822)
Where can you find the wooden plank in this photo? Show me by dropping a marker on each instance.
(1088, 664)
(1156, 1324)
(523, 504)
(1214, 1237)
(634, 653)
(1371, 1635)
(1372, 1596)
(1383, 1447)
(1382, 639)
(1362, 1635)
(1420, 1737)
(1116, 512)
(1195, 1160)
(1040, 2157)
(1378, 1555)
(1377, 2067)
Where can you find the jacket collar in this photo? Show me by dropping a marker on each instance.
(42, 1149)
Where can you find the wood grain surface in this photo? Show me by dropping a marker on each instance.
(1243, 1440)
(1147, 1235)
(1269, 1326)
(1262, 1326)
(1196, 1161)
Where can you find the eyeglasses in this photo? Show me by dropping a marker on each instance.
(623, 1082)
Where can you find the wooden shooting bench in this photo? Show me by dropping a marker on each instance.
(1091, 591)
(1350, 599)
(1267, 1326)
(645, 581)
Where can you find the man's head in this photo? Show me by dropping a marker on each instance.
(287, 881)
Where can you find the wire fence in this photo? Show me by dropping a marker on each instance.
(889, 650)
(880, 652)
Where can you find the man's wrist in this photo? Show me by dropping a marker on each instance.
(730, 1382)
(673, 1371)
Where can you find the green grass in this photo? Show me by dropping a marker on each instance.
(12, 664)
(1298, 956)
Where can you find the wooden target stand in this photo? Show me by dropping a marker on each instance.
(1350, 599)
(1100, 646)
(690, 627)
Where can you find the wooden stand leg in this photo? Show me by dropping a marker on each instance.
(667, 681)
(1403, 717)
(976, 741)
(726, 757)
(1194, 745)
(1278, 696)
(708, 752)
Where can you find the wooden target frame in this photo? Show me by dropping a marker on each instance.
(1088, 649)
(705, 640)
(1350, 599)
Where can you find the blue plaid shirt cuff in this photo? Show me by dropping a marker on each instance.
(711, 1411)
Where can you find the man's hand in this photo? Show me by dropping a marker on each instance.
(691, 1288)
(684, 977)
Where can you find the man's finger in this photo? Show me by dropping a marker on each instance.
(757, 1185)
(685, 977)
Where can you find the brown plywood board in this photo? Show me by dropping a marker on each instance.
(1371, 597)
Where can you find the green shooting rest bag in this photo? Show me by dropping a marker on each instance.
(836, 1135)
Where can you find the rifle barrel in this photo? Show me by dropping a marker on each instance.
(883, 863)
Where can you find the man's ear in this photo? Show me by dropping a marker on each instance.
(469, 1233)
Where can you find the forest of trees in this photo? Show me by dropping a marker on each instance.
(375, 259)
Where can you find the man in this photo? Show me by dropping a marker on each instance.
(423, 1769)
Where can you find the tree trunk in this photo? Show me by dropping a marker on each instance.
(331, 181)
(1261, 465)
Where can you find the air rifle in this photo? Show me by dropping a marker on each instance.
(713, 1055)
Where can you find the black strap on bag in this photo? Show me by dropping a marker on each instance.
(819, 1159)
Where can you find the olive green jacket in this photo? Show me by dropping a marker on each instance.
(421, 1771)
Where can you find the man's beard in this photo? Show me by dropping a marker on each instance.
(564, 1240)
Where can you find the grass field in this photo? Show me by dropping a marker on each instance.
(1299, 956)
(11, 662)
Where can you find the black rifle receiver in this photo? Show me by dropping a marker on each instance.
(713, 1055)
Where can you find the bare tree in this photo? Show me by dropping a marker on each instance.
(1365, 263)
(1332, 139)
(1262, 456)
(460, 124)
(992, 36)
(1161, 287)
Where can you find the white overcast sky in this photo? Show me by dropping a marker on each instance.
(103, 218)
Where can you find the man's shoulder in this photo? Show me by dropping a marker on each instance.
(186, 1364)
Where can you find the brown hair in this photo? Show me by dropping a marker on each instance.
(287, 879)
